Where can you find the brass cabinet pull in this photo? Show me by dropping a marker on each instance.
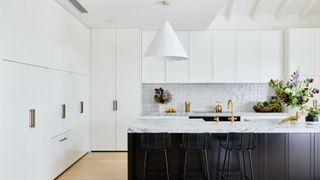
(63, 139)
(63, 115)
(81, 107)
(32, 118)
(115, 105)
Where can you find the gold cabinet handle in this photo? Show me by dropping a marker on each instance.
(63, 107)
(63, 139)
(32, 118)
(115, 105)
(81, 107)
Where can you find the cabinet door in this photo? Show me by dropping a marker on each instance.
(224, 56)
(301, 51)
(200, 57)
(178, 71)
(24, 88)
(103, 90)
(127, 83)
(248, 57)
(271, 56)
(317, 53)
(153, 69)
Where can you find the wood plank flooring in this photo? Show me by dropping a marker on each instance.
(98, 166)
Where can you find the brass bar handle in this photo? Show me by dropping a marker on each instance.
(81, 107)
(63, 139)
(115, 105)
(32, 118)
(63, 107)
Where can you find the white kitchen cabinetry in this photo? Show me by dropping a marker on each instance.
(301, 51)
(178, 71)
(153, 69)
(200, 56)
(25, 149)
(115, 87)
(317, 52)
(248, 66)
(224, 57)
(271, 56)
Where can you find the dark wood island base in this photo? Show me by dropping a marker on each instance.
(278, 156)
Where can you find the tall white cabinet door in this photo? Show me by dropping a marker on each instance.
(127, 83)
(25, 153)
(200, 56)
(317, 52)
(271, 56)
(153, 69)
(301, 51)
(178, 71)
(248, 57)
(103, 90)
(224, 57)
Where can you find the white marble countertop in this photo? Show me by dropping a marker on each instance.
(256, 125)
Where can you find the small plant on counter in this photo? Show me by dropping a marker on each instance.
(162, 96)
(313, 113)
(295, 92)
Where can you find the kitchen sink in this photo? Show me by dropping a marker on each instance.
(211, 118)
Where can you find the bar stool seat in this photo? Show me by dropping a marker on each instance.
(155, 142)
(196, 142)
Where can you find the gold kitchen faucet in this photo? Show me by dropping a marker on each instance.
(232, 118)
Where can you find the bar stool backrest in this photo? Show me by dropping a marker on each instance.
(241, 141)
(155, 141)
(196, 141)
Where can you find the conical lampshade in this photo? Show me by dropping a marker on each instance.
(166, 45)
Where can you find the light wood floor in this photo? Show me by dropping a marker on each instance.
(98, 166)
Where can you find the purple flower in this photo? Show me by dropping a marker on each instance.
(296, 78)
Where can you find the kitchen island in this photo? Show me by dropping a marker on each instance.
(284, 151)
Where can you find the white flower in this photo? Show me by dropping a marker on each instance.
(288, 91)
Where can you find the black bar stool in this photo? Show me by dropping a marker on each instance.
(199, 142)
(155, 142)
(242, 143)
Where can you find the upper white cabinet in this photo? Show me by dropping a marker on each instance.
(224, 57)
(248, 56)
(271, 55)
(153, 69)
(178, 71)
(301, 51)
(200, 56)
(317, 53)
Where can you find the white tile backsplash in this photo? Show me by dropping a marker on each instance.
(203, 97)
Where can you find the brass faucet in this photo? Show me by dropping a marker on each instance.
(232, 118)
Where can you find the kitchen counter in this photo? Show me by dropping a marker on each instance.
(249, 124)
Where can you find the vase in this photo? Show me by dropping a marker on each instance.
(312, 120)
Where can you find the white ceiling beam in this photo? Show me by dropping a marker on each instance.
(254, 8)
(282, 7)
(307, 8)
(228, 9)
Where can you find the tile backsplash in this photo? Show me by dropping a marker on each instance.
(203, 97)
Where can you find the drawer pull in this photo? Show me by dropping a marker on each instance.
(63, 139)
(81, 107)
(32, 118)
(115, 105)
(63, 115)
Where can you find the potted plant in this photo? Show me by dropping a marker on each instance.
(313, 113)
(162, 97)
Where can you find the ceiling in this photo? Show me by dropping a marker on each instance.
(147, 14)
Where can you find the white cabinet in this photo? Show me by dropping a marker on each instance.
(271, 56)
(153, 69)
(102, 90)
(301, 51)
(178, 71)
(115, 87)
(317, 52)
(25, 149)
(224, 57)
(248, 57)
(200, 56)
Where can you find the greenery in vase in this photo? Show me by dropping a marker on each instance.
(162, 96)
(312, 111)
(295, 92)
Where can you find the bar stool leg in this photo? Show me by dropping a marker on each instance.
(145, 164)
(207, 164)
(241, 169)
(224, 164)
(185, 164)
(244, 165)
(251, 170)
(229, 157)
(167, 166)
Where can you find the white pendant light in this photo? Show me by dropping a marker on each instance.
(166, 44)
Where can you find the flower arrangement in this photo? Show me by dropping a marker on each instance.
(295, 92)
(162, 96)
